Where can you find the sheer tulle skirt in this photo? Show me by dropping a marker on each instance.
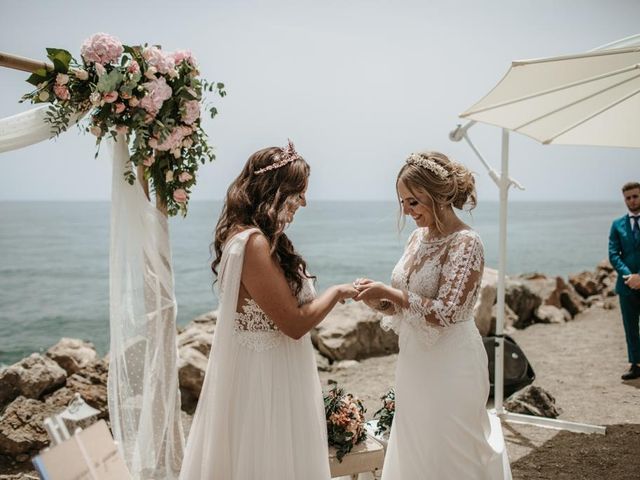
(269, 422)
(441, 427)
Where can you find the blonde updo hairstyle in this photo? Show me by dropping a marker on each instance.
(457, 188)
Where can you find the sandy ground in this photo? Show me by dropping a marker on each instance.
(580, 363)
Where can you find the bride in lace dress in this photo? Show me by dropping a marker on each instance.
(441, 427)
(260, 413)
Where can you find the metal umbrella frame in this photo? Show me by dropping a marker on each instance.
(587, 99)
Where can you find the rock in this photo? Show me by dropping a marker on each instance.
(345, 365)
(32, 377)
(569, 298)
(605, 266)
(523, 301)
(509, 319)
(533, 400)
(585, 283)
(198, 333)
(72, 354)
(22, 426)
(324, 365)
(551, 314)
(352, 332)
(192, 365)
(483, 311)
(209, 318)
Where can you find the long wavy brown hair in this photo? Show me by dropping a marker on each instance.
(263, 201)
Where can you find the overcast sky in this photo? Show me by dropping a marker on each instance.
(356, 84)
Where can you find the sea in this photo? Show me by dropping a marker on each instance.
(54, 256)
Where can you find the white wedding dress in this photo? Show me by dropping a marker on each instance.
(441, 427)
(260, 413)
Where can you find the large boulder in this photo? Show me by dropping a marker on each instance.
(523, 301)
(585, 283)
(352, 332)
(551, 314)
(554, 291)
(483, 311)
(32, 377)
(192, 365)
(198, 333)
(22, 426)
(533, 400)
(72, 354)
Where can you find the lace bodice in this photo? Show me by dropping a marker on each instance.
(442, 279)
(255, 330)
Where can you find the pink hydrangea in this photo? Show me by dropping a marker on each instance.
(157, 92)
(156, 58)
(191, 112)
(173, 140)
(61, 91)
(101, 48)
(133, 67)
(180, 56)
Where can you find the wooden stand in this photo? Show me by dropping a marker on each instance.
(367, 456)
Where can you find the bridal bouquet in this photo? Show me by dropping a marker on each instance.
(345, 420)
(386, 412)
(150, 97)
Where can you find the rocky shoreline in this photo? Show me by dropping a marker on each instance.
(40, 385)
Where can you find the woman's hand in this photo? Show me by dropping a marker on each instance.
(346, 291)
(370, 291)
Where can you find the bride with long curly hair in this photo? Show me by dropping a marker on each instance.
(260, 413)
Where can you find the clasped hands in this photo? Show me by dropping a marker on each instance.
(370, 292)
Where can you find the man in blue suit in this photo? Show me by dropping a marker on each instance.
(624, 255)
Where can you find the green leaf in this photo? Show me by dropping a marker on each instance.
(38, 76)
(109, 81)
(60, 58)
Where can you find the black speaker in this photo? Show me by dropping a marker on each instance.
(518, 373)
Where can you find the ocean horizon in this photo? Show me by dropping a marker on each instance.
(54, 256)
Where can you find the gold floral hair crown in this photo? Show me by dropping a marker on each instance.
(429, 164)
(287, 155)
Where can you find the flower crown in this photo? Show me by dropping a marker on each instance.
(429, 164)
(287, 155)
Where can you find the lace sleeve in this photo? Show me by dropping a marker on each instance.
(457, 288)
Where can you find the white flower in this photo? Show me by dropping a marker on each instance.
(168, 176)
(62, 79)
(43, 96)
(81, 74)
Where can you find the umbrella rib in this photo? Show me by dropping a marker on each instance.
(595, 114)
(595, 53)
(552, 90)
(582, 99)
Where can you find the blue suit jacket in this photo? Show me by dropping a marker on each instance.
(624, 252)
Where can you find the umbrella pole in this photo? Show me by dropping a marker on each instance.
(504, 183)
(502, 268)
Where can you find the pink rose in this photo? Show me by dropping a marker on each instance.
(110, 97)
(185, 177)
(168, 177)
(133, 102)
(81, 74)
(191, 112)
(96, 130)
(120, 108)
(180, 196)
(173, 141)
(147, 162)
(101, 49)
(61, 91)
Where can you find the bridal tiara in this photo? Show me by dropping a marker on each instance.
(287, 155)
(431, 165)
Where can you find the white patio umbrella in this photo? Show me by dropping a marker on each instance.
(591, 98)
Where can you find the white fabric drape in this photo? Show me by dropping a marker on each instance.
(144, 403)
(27, 128)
